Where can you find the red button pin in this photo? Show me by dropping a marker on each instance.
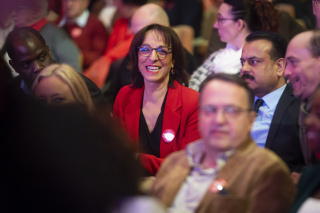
(218, 185)
(168, 135)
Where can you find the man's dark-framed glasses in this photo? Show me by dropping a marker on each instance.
(162, 51)
(228, 111)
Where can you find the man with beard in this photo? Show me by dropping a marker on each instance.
(276, 124)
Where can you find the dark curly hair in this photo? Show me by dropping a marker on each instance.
(260, 15)
(172, 40)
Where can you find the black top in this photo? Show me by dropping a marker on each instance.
(149, 142)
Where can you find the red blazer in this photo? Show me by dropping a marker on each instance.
(180, 115)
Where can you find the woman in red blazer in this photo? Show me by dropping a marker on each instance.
(157, 110)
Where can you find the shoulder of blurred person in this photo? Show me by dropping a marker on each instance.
(61, 46)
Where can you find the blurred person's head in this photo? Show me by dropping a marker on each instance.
(316, 11)
(28, 12)
(157, 56)
(64, 160)
(312, 122)
(154, 13)
(72, 9)
(263, 62)
(237, 18)
(126, 8)
(226, 116)
(5, 14)
(303, 63)
(28, 53)
(61, 84)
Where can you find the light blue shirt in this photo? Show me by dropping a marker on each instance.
(261, 125)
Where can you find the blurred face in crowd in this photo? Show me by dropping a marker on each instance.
(303, 70)
(258, 70)
(24, 14)
(225, 118)
(313, 124)
(30, 57)
(155, 68)
(74, 8)
(316, 10)
(53, 90)
(228, 28)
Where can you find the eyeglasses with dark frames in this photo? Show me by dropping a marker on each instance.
(162, 51)
(228, 111)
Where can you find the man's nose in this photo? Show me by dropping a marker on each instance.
(245, 68)
(219, 117)
(287, 72)
(37, 66)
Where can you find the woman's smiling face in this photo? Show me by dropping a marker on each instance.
(152, 68)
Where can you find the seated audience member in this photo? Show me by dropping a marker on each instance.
(120, 74)
(61, 84)
(303, 65)
(308, 195)
(276, 125)
(33, 13)
(288, 28)
(157, 110)
(85, 29)
(236, 20)
(119, 41)
(29, 55)
(224, 171)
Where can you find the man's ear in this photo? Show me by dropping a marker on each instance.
(12, 64)
(281, 66)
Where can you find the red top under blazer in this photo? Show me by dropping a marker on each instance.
(180, 115)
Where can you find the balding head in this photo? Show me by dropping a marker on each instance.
(149, 14)
(303, 63)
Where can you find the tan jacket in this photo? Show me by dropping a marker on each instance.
(258, 181)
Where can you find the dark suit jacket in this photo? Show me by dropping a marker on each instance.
(283, 136)
(180, 115)
(257, 182)
(308, 184)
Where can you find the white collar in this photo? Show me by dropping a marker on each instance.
(81, 21)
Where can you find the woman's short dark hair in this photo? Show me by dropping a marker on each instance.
(173, 41)
(260, 15)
